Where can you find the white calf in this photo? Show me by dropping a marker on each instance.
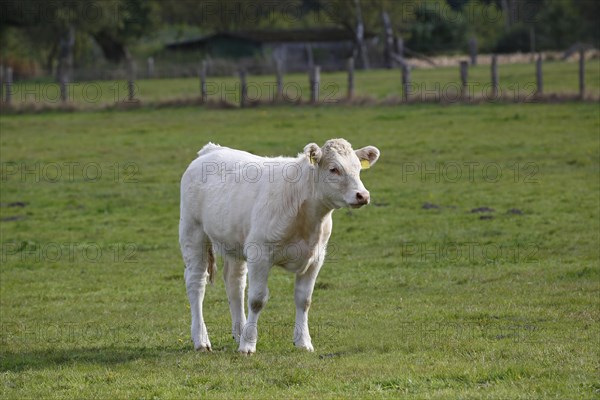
(257, 212)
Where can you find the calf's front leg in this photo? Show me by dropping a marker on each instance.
(305, 284)
(258, 294)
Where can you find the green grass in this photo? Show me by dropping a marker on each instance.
(411, 302)
(515, 80)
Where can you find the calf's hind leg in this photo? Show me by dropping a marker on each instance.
(234, 274)
(197, 254)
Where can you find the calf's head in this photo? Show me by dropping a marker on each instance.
(338, 170)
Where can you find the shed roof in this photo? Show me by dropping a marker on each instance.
(274, 36)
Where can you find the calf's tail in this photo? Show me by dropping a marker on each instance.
(212, 264)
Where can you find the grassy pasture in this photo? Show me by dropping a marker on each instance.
(435, 302)
(515, 80)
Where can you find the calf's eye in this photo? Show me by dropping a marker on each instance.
(334, 170)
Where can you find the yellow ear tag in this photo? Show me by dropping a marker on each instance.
(312, 160)
(365, 164)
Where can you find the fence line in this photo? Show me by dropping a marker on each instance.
(407, 87)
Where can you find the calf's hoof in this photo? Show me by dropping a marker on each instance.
(202, 346)
(246, 349)
(305, 346)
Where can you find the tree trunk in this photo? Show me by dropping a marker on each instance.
(389, 39)
(65, 56)
(506, 13)
(473, 50)
(360, 36)
(310, 61)
(113, 49)
(49, 65)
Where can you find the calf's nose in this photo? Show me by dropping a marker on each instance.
(362, 197)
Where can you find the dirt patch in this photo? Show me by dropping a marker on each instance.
(482, 210)
(13, 218)
(382, 204)
(14, 204)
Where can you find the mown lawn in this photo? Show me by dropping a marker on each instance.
(420, 297)
(443, 83)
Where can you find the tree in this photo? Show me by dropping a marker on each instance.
(437, 30)
(52, 27)
(234, 15)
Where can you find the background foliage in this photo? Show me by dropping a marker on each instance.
(30, 30)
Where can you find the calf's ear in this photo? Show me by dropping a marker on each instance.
(367, 156)
(313, 152)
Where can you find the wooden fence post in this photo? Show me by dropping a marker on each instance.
(63, 87)
(539, 78)
(130, 80)
(494, 76)
(473, 50)
(9, 78)
(1, 82)
(315, 78)
(203, 94)
(62, 73)
(243, 88)
(464, 73)
(351, 77)
(150, 67)
(581, 73)
(405, 81)
(278, 79)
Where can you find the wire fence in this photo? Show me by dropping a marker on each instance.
(492, 78)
